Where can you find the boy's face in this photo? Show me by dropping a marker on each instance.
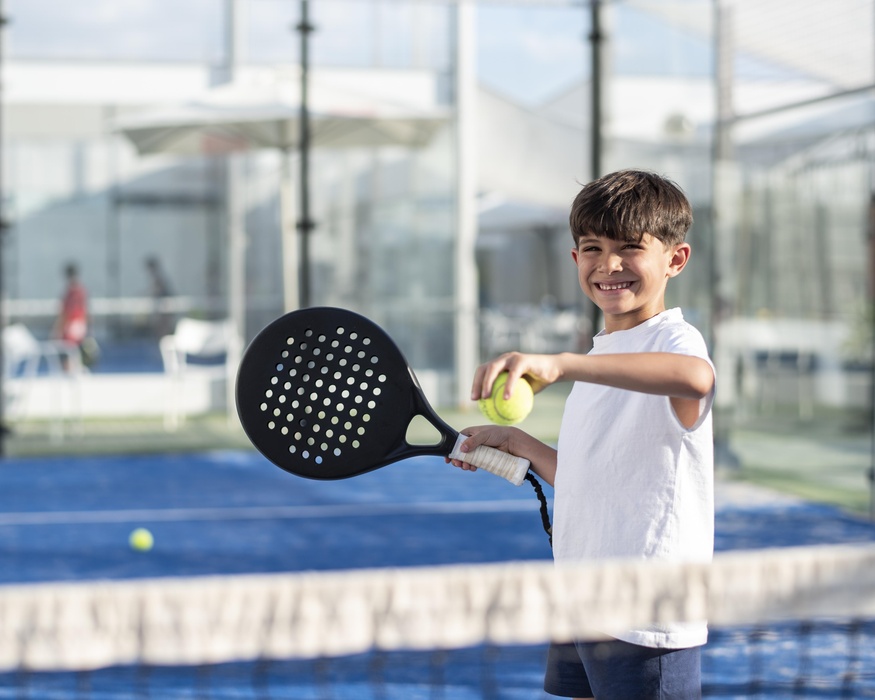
(627, 279)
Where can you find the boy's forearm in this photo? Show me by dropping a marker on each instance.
(541, 455)
(661, 373)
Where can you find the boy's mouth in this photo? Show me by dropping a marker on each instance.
(612, 286)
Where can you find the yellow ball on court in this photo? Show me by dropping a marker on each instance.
(141, 540)
(503, 411)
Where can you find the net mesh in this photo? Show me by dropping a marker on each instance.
(782, 622)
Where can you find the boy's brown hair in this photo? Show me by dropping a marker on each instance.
(629, 203)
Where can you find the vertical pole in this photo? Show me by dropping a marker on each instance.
(466, 301)
(305, 223)
(596, 39)
(3, 230)
(596, 143)
(870, 310)
(724, 197)
(236, 219)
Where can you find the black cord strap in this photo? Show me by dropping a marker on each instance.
(545, 515)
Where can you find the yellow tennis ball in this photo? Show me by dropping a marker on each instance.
(503, 411)
(141, 540)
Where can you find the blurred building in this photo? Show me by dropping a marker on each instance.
(784, 237)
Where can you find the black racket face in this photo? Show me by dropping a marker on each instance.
(324, 393)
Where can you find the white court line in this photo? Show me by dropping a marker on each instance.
(263, 512)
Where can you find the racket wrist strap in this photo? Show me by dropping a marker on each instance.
(500, 463)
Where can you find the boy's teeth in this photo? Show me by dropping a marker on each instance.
(620, 285)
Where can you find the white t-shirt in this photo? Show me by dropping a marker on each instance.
(631, 480)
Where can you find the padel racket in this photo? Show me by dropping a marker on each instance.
(325, 393)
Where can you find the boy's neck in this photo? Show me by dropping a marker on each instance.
(625, 323)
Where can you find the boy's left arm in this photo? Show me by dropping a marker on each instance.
(684, 379)
(662, 373)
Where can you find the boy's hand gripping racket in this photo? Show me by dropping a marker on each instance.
(325, 393)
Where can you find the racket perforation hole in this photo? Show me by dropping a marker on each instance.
(377, 391)
(268, 393)
(382, 378)
(366, 341)
(374, 359)
(279, 367)
(356, 444)
(292, 449)
(290, 340)
(319, 459)
(337, 452)
(372, 405)
(341, 330)
(284, 353)
(263, 407)
(282, 398)
(309, 333)
(274, 380)
(271, 425)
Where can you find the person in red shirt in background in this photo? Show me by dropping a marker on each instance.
(72, 323)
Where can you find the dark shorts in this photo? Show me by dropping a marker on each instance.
(615, 670)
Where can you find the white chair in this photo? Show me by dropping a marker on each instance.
(23, 355)
(192, 338)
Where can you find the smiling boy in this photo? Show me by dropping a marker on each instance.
(633, 472)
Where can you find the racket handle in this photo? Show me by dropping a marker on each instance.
(500, 463)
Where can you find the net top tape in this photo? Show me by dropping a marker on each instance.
(203, 620)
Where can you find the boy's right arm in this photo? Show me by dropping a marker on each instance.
(513, 441)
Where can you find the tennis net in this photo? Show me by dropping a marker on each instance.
(783, 623)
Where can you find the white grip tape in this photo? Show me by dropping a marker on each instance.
(499, 463)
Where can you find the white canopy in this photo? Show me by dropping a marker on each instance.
(265, 113)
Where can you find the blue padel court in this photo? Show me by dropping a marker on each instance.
(232, 512)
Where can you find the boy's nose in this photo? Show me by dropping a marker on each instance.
(611, 262)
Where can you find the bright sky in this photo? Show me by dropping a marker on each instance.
(527, 50)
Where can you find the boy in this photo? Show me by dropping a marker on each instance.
(633, 473)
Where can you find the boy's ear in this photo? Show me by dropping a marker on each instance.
(679, 258)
